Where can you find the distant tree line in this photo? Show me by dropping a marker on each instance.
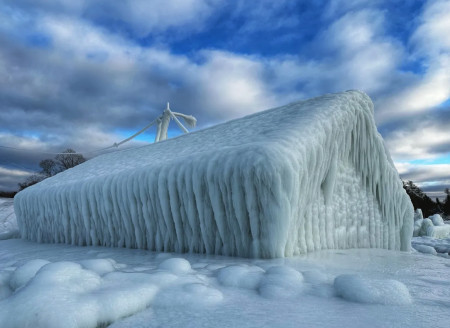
(7, 194)
(420, 200)
(52, 166)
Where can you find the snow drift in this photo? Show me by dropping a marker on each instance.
(307, 176)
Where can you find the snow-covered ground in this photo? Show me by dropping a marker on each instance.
(48, 285)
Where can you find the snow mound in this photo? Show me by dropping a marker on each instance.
(65, 294)
(281, 282)
(100, 266)
(240, 276)
(377, 291)
(176, 265)
(307, 176)
(25, 273)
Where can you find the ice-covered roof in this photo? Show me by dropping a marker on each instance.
(297, 122)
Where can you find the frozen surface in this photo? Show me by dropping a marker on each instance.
(72, 286)
(442, 245)
(307, 176)
(425, 249)
(8, 222)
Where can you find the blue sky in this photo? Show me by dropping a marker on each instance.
(85, 74)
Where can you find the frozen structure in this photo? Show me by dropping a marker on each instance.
(307, 176)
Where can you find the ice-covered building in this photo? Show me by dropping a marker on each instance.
(307, 176)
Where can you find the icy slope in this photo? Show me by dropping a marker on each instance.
(306, 176)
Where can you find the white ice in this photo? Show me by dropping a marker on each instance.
(307, 176)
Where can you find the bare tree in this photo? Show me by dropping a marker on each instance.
(50, 167)
(69, 159)
(31, 180)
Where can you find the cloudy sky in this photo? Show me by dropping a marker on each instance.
(85, 74)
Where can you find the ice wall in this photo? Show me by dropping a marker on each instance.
(310, 175)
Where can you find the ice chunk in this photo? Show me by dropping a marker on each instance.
(418, 215)
(307, 176)
(425, 249)
(437, 220)
(441, 231)
(417, 227)
(364, 290)
(436, 231)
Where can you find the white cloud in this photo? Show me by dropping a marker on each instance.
(430, 43)
(140, 17)
(231, 85)
(17, 173)
(424, 174)
(418, 143)
(158, 15)
(431, 37)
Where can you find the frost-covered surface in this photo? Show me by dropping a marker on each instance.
(46, 285)
(307, 176)
(8, 222)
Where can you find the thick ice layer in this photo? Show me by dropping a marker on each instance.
(310, 175)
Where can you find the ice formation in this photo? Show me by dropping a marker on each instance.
(433, 226)
(307, 176)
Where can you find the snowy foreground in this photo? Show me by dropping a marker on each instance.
(51, 285)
